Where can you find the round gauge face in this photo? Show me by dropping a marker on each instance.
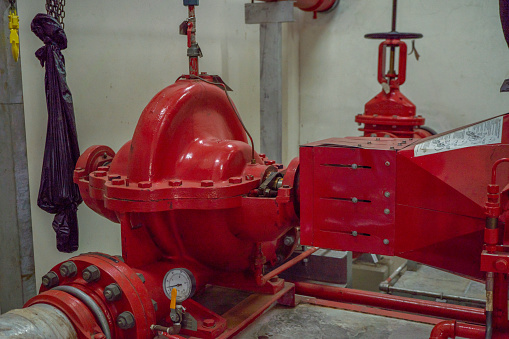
(183, 280)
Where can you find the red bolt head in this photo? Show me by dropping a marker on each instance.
(207, 183)
(113, 176)
(270, 162)
(103, 168)
(117, 182)
(501, 265)
(262, 155)
(99, 174)
(209, 322)
(99, 336)
(144, 184)
(175, 182)
(493, 189)
(235, 180)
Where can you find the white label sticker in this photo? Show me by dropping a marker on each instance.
(485, 133)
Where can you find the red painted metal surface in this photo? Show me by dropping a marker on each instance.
(182, 190)
(313, 5)
(78, 314)
(452, 329)
(347, 295)
(368, 310)
(135, 297)
(428, 208)
(390, 113)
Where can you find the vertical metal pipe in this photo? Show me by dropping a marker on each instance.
(394, 14)
(17, 272)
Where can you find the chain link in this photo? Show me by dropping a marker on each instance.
(13, 4)
(55, 8)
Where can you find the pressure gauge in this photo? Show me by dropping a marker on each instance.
(183, 280)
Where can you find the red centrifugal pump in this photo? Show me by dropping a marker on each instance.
(197, 205)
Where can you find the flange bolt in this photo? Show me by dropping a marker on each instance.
(91, 274)
(142, 278)
(112, 292)
(289, 240)
(50, 280)
(68, 269)
(126, 320)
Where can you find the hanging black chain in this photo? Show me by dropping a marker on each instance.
(13, 4)
(55, 8)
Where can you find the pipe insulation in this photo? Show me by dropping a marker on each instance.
(38, 321)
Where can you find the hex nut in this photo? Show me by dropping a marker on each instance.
(289, 240)
(50, 280)
(91, 274)
(386, 241)
(387, 211)
(142, 278)
(126, 320)
(68, 269)
(112, 292)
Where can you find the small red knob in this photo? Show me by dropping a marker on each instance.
(501, 265)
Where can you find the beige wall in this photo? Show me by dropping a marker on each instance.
(121, 53)
(464, 59)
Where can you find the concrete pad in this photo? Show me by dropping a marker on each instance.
(309, 321)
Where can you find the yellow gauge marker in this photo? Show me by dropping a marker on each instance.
(173, 303)
(14, 37)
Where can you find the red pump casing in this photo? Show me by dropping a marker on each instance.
(181, 191)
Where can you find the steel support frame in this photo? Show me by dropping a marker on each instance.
(270, 16)
(17, 271)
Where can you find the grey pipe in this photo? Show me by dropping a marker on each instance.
(39, 321)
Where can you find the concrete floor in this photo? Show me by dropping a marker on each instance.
(430, 279)
(310, 321)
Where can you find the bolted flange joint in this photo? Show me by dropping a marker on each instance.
(126, 320)
(91, 274)
(68, 269)
(50, 280)
(112, 292)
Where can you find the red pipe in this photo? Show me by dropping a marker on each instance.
(288, 264)
(313, 5)
(451, 329)
(464, 313)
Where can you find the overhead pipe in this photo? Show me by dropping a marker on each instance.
(314, 5)
(432, 308)
(452, 329)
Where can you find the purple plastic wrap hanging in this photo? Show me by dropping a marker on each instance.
(58, 194)
(504, 18)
